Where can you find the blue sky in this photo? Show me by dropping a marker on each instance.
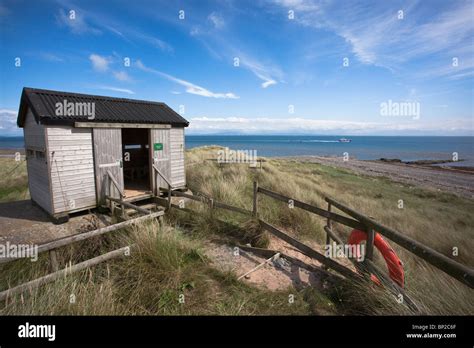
(291, 77)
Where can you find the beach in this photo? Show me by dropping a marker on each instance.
(459, 181)
(7, 153)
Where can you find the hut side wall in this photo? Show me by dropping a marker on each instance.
(37, 164)
(178, 176)
(71, 167)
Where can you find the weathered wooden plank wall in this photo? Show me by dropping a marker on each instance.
(178, 176)
(38, 175)
(71, 167)
(107, 151)
(161, 158)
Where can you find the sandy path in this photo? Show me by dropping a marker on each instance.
(457, 182)
(22, 222)
(277, 275)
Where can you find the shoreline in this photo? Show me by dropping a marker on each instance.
(10, 153)
(442, 178)
(431, 174)
(437, 164)
(445, 164)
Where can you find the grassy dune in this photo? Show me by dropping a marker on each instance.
(13, 180)
(171, 261)
(164, 265)
(440, 220)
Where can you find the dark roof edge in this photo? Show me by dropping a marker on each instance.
(95, 96)
(25, 103)
(69, 122)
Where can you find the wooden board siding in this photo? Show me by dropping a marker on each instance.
(178, 176)
(71, 167)
(161, 158)
(38, 175)
(107, 150)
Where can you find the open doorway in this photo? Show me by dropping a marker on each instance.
(136, 161)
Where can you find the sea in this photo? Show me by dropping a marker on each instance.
(405, 148)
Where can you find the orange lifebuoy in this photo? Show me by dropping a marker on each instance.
(395, 266)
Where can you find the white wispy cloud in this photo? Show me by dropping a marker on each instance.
(116, 89)
(450, 31)
(299, 5)
(378, 37)
(463, 69)
(298, 125)
(264, 73)
(151, 40)
(99, 63)
(104, 64)
(216, 20)
(191, 88)
(226, 47)
(268, 73)
(87, 22)
(76, 21)
(121, 76)
(50, 57)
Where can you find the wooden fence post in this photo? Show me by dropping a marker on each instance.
(169, 197)
(369, 252)
(54, 260)
(112, 204)
(329, 224)
(255, 199)
(210, 202)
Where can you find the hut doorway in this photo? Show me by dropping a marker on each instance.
(136, 161)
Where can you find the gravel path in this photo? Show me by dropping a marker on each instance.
(454, 181)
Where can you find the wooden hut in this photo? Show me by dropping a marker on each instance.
(81, 149)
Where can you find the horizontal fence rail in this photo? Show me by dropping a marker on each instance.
(311, 208)
(357, 220)
(62, 273)
(129, 205)
(214, 203)
(303, 248)
(232, 208)
(347, 272)
(60, 242)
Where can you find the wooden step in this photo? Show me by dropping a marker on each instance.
(138, 198)
(150, 206)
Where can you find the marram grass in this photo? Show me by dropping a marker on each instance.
(168, 272)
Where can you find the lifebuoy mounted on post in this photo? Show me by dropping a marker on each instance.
(394, 265)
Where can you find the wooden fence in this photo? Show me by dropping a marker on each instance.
(356, 220)
(68, 240)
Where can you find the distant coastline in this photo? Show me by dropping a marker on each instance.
(426, 150)
(401, 148)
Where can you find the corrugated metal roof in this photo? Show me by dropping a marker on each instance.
(107, 109)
